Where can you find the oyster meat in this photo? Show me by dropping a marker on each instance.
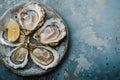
(18, 57)
(30, 17)
(45, 57)
(51, 32)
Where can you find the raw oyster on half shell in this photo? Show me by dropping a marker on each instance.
(51, 32)
(45, 57)
(30, 17)
(12, 36)
(18, 57)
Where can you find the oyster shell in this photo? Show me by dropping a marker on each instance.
(45, 57)
(18, 57)
(51, 32)
(30, 17)
(4, 40)
(12, 36)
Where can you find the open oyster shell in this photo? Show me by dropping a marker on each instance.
(18, 57)
(45, 57)
(4, 41)
(51, 32)
(30, 17)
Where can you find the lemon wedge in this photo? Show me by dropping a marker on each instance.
(13, 31)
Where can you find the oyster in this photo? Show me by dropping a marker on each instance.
(45, 57)
(51, 32)
(30, 17)
(18, 57)
(12, 36)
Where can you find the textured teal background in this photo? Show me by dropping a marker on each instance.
(94, 40)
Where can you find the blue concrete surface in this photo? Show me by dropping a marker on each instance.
(94, 40)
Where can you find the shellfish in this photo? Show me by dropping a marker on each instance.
(30, 17)
(51, 32)
(45, 57)
(18, 57)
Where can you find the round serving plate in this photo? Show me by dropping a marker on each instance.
(31, 68)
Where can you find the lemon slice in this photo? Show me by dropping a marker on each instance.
(13, 31)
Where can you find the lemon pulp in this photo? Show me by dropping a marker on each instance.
(13, 31)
